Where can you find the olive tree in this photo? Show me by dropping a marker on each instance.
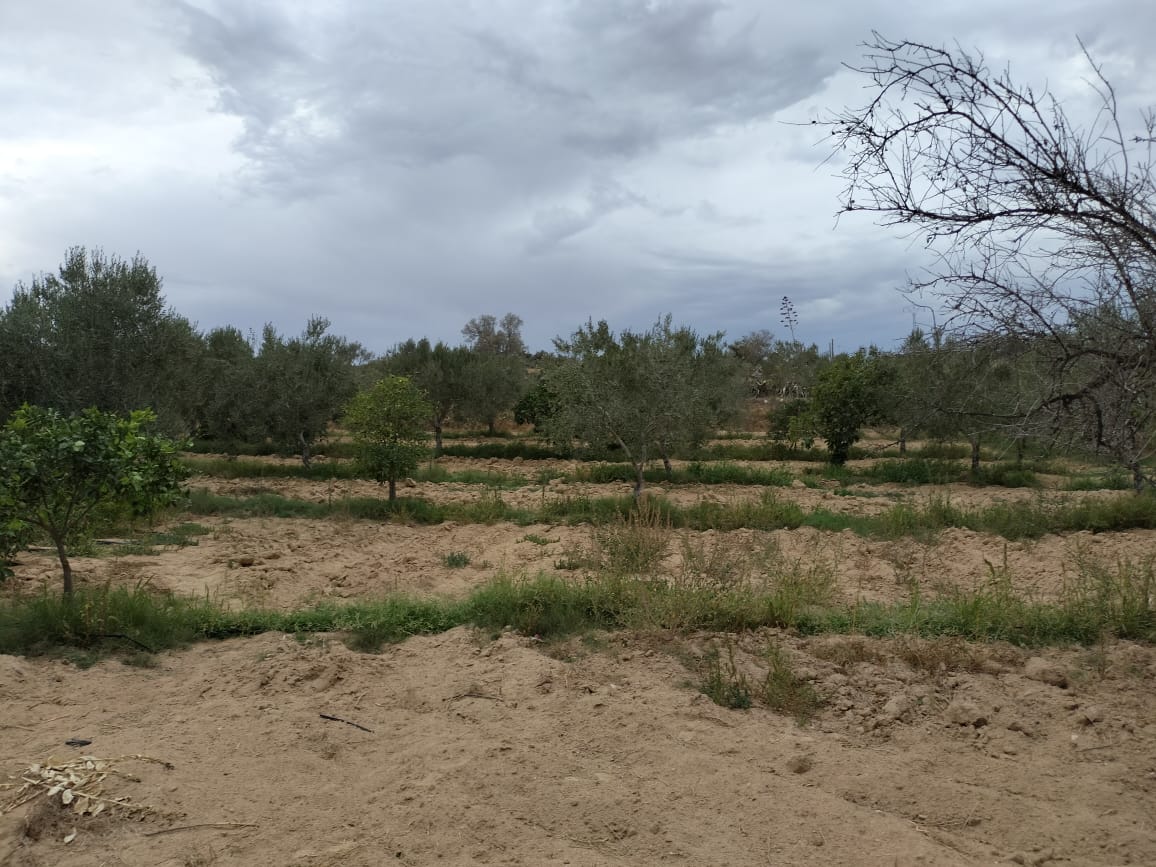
(1044, 227)
(389, 422)
(98, 333)
(232, 401)
(491, 336)
(645, 392)
(302, 384)
(440, 371)
(493, 385)
(945, 388)
(60, 474)
(496, 371)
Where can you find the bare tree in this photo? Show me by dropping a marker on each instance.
(1044, 229)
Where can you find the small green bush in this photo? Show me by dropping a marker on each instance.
(721, 680)
(783, 691)
(456, 559)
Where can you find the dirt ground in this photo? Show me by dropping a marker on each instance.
(464, 749)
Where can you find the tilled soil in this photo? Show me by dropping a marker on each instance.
(465, 748)
(504, 751)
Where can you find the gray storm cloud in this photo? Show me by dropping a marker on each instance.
(402, 167)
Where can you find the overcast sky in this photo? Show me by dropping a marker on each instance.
(400, 167)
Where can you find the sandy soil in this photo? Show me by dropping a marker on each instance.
(497, 752)
(484, 750)
(287, 563)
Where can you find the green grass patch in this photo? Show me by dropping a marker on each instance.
(722, 681)
(1023, 520)
(456, 560)
(336, 449)
(1114, 480)
(505, 450)
(226, 468)
(1103, 600)
(698, 472)
(223, 468)
(782, 690)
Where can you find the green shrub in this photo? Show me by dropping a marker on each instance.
(784, 691)
(722, 681)
(456, 559)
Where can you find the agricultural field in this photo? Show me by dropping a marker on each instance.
(763, 662)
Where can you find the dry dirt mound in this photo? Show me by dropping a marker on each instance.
(454, 749)
(289, 563)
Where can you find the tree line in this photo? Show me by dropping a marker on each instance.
(1045, 278)
(98, 333)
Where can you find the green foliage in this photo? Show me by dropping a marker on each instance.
(920, 471)
(234, 468)
(456, 559)
(14, 535)
(495, 371)
(529, 451)
(488, 335)
(180, 536)
(98, 333)
(649, 393)
(722, 681)
(633, 545)
(1100, 601)
(232, 406)
(439, 371)
(493, 384)
(845, 398)
(790, 422)
(60, 474)
(1005, 475)
(915, 471)
(699, 472)
(782, 690)
(302, 384)
(388, 423)
(537, 406)
(1111, 481)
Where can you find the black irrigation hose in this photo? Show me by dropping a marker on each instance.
(124, 637)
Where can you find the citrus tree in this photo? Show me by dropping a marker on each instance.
(845, 398)
(61, 474)
(389, 422)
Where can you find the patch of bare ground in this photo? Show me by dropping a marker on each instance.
(287, 563)
(455, 749)
(859, 499)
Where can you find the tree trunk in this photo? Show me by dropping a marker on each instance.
(437, 437)
(1019, 451)
(392, 490)
(65, 566)
(974, 440)
(638, 480)
(306, 458)
(491, 431)
(1137, 476)
(902, 443)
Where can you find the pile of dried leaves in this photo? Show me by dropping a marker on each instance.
(78, 786)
